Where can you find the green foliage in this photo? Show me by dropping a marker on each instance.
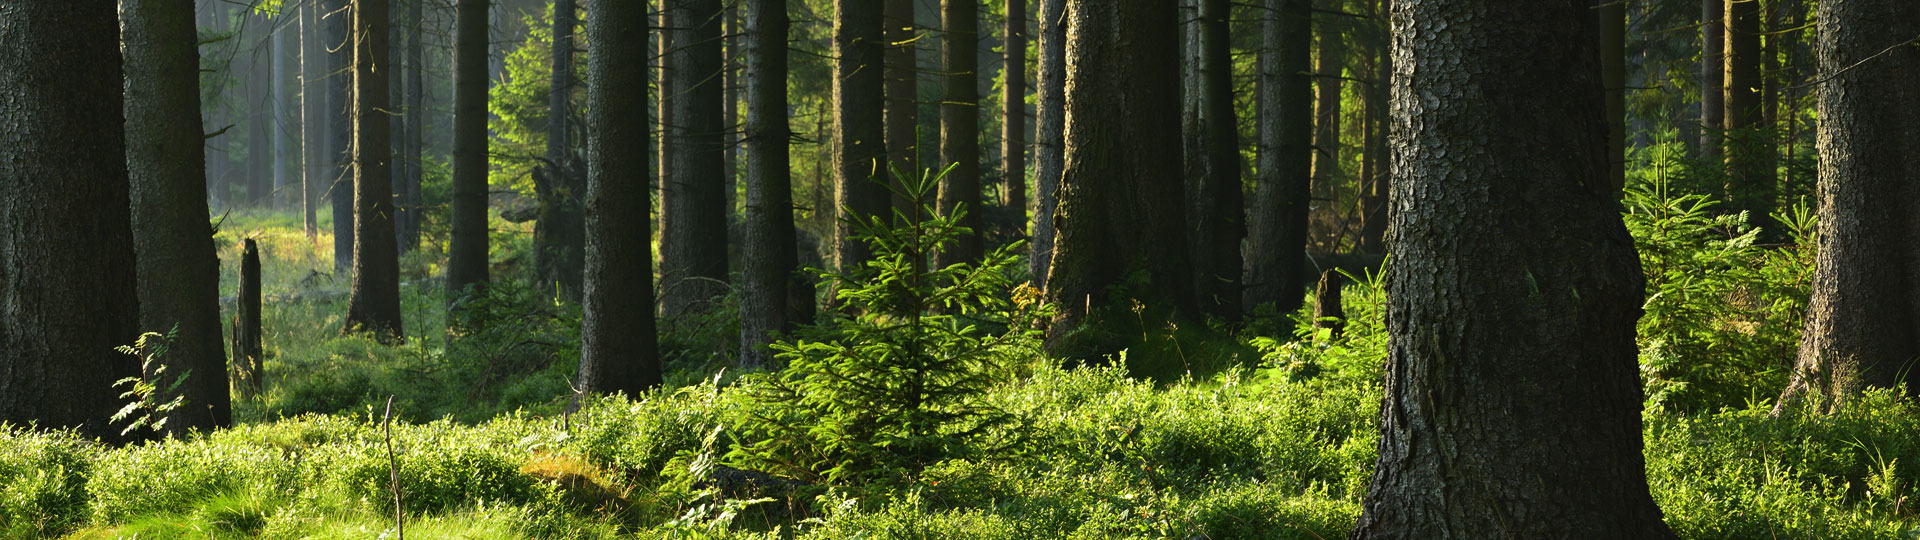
(878, 395)
(43, 479)
(518, 105)
(1356, 356)
(1723, 314)
(148, 410)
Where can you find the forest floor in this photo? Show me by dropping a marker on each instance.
(1279, 448)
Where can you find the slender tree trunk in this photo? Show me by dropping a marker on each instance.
(283, 32)
(730, 124)
(693, 258)
(214, 19)
(1750, 181)
(559, 236)
(902, 94)
(1215, 212)
(374, 305)
(410, 209)
(1013, 107)
(1277, 224)
(859, 128)
(67, 272)
(340, 190)
(313, 107)
(1514, 283)
(773, 297)
(1330, 67)
(257, 48)
(1713, 92)
(467, 250)
(960, 126)
(1373, 219)
(247, 345)
(618, 348)
(1049, 148)
(179, 274)
(1862, 328)
(1121, 213)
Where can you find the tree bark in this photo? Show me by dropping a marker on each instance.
(1326, 303)
(374, 303)
(1512, 404)
(1329, 68)
(313, 107)
(773, 295)
(179, 274)
(1049, 147)
(693, 258)
(340, 131)
(1121, 214)
(618, 348)
(1713, 88)
(960, 127)
(1377, 179)
(902, 94)
(246, 327)
(416, 113)
(1613, 74)
(559, 236)
(1013, 108)
(67, 273)
(859, 128)
(1216, 213)
(1277, 224)
(467, 250)
(1862, 328)
(1750, 178)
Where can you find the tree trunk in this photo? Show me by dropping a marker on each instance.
(416, 113)
(693, 259)
(67, 275)
(340, 189)
(1277, 225)
(374, 305)
(1613, 74)
(179, 274)
(902, 94)
(1329, 67)
(246, 328)
(283, 32)
(1513, 397)
(1713, 93)
(1326, 303)
(259, 108)
(773, 295)
(559, 242)
(1121, 214)
(960, 127)
(1377, 182)
(1862, 326)
(467, 249)
(1013, 108)
(1216, 215)
(313, 107)
(1750, 181)
(214, 19)
(1049, 148)
(859, 128)
(618, 351)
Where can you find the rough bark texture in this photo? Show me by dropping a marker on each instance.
(1277, 223)
(1512, 403)
(1713, 93)
(313, 107)
(903, 94)
(1049, 145)
(374, 304)
(693, 244)
(467, 250)
(773, 297)
(960, 126)
(859, 127)
(340, 130)
(67, 277)
(179, 274)
(1863, 322)
(1216, 215)
(1013, 106)
(1750, 176)
(618, 348)
(1326, 303)
(1120, 216)
(559, 236)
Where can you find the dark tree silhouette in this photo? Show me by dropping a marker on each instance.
(618, 348)
(467, 249)
(374, 302)
(859, 128)
(774, 297)
(960, 126)
(694, 215)
(1277, 221)
(1216, 212)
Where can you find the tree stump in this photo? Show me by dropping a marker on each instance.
(1326, 303)
(246, 332)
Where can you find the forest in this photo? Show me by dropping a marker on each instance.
(918, 269)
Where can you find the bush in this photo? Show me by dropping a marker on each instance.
(43, 479)
(175, 476)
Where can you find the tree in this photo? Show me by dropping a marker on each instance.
(1330, 67)
(1861, 328)
(1277, 224)
(416, 114)
(960, 127)
(260, 106)
(618, 348)
(1750, 180)
(1121, 214)
(1374, 177)
(67, 274)
(1513, 390)
(902, 92)
(694, 216)
(1215, 211)
(178, 272)
(374, 302)
(559, 235)
(1049, 145)
(1613, 73)
(340, 130)
(859, 128)
(774, 296)
(313, 107)
(1013, 109)
(467, 249)
(1713, 93)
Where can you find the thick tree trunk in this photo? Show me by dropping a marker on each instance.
(179, 274)
(1512, 403)
(1049, 148)
(960, 127)
(618, 348)
(467, 250)
(903, 95)
(859, 128)
(1277, 224)
(559, 236)
(1121, 213)
(313, 107)
(340, 131)
(1750, 179)
(1216, 214)
(67, 274)
(693, 258)
(1613, 74)
(773, 296)
(374, 305)
(1013, 108)
(1713, 71)
(1863, 321)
